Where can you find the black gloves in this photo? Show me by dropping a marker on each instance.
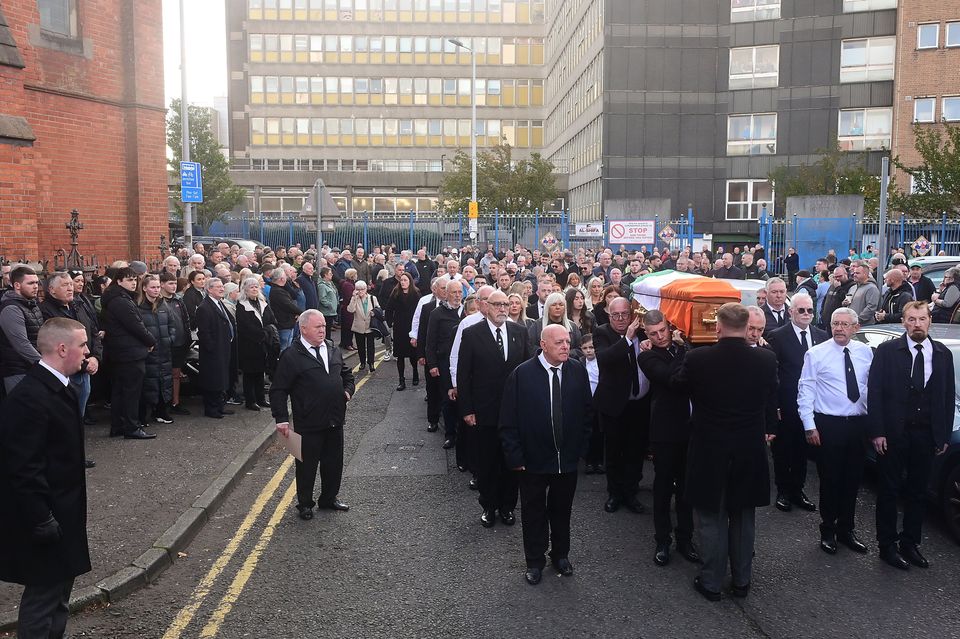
(48, 531)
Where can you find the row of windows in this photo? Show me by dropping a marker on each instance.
(925, 109)
(569, 41)
(315, 164)
(446, 133)
(582, 149)
(306, 90)
(857, 130)
(755, 10)
(861, 60)
(746, 199)
(464, 11)
(362, 49)
(378, 205)
(587, 89)
(928, 35)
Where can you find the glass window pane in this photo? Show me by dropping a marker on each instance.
(953, 34)
(853, 53)
(736, 191)
(951, 109)
(923, 109)
(927, 36)
(879, 121)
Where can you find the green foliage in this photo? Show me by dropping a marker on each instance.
(937, 177)
(504, 184)
(220, 195)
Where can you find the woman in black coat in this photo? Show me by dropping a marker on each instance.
(400, 308)
(157, 391)
(254, 321)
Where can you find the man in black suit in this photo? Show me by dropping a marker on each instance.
(489, 351)
(911, 404)
(43, 492)
(545, 423)
(434, 397)
(216, 336)
(790, 343)
(535, 302)
(623, 405)
(319, 384)
(775, 309)
(441, 332)
(669, 438)
(727, 472)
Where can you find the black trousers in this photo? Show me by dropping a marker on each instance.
(434, 398)
(213, 402)
(43, 611)
(670, 466)
(324, 450)
(545, 505)
(840, 464)
(126, 384)
(497, 483)
(594, 455)
(365, 347)
(790, 456)
(453, 429)
(912, 452)
(625, 438)
(253, 392)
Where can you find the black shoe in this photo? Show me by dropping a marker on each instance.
(891, 555)
(612, 505)
(911, 552)
(373, 368)
(226, 411)
(851, 541)
(563, 566)
(213, 415)
(448, 444)
(689, 552)
(488, 518)
(802, 501)
(263, 404)
(253, 407)
(306, 514)
(88, 420)
(783, 503)
(533, 576)
(362, 367)
(709, 595)
(740, 591)
(599, 469)
(416, 381)
(828, 545)
(662, 556)
(139, 434)
(89, 463)
(402, 385)
(336, 504)
(589, 469)
(473, 484)
(432, 428)
(635, 506)
(508, 518)
(177, 409)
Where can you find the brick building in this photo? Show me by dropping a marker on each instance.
(82, 126)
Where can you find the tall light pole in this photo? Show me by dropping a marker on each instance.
(185, 127)
(474, 210)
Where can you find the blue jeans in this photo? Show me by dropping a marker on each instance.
(81, 381)
(286, 338)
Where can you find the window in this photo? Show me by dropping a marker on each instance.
(867, 59)
(58, 17)
(852, 6)
(953, 34)
(862, 129)
(746, 198)
(923, 109)
(950, 109)
(754, 67)
(928, 35)
(753, 134)
(752, 10)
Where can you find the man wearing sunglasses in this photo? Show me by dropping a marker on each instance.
(790, 342)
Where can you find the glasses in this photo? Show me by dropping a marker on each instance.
(499, 304)
(841, 324)
(619, 315)
(803, 311)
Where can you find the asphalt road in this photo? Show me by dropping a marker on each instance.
(410, 559)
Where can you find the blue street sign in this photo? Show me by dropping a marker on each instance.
(191, 182)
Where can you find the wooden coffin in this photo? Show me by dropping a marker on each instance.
(688, 301)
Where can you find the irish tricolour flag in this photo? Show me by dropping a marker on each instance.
(675, 294)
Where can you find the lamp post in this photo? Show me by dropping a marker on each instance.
(474, 210)
(185, 126)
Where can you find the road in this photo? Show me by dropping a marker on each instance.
(410, 559)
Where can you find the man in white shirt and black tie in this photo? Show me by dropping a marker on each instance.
(832, 402)
(775, 309)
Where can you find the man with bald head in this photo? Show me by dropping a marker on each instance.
(897, 295)
(755, 326)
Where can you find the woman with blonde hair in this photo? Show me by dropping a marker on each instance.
(554, 312)
(362, 305)
(594, 295)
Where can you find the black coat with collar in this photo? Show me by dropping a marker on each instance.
(440, 335)
(125, 339)
(422, 327)
(317, 396)
(786, 346)
(192, 297)
(616, 378)
(669, 405)
(481, 371)
(893, 301)
(889, 386)
(216, 345)
(42, 472)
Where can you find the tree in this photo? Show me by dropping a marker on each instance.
(220, 195)
(937, 178)
(837, 172)
(502, 183)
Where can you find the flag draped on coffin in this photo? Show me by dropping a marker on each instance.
(683, 298)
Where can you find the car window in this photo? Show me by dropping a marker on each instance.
(873, 338)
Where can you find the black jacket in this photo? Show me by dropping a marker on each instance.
(426, 270)
(309, 288)
(441, 332)
(158, 380)
(41, 472)
(833, 301)
(317, 396)
(423, 327)
(893, 301)
(889, 385)
(786, 346)
(772, 323)
(526, 429)
(669, 406)
(481, 370)
(11, 361)
(923, 290)
(125, 339)
(216, 343)
(399, 310)
(180, 319)
(252, 354)
(285, 308)
(616, 376)
(191, 300)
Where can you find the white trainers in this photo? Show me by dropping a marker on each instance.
(386, 356)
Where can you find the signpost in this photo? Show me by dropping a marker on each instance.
(631, 232)
(191, 182)
(473, 214)
(667, 234)
(589, 229)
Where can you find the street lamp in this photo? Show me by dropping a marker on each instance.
(474, 212)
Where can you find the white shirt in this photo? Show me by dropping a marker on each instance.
(823, 381)
(593, 373)
(644, 382)
(797, 329)
(927, 357)
(63, 378)
(465, 323)
(503, 334)
(415, 327)
(782, 313)
(547, 366)
(323, 352)
(540, 308)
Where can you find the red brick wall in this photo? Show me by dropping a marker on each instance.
(99, 123)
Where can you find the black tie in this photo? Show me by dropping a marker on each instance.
(634, 373)
(556, 408)
(779, 318)
(316, 349)
(918, 373)
(803, 341)
(853, 391)
(500, 344)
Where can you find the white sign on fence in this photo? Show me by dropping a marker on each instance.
(631, 231)
(589, 229)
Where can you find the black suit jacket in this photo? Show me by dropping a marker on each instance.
(889, 385)
(533, 307)
(192, 297)
(317, 396)
(772, 323)
(423, 326)
(616, 376)
(785, 345)
(481, 371)
(669, 405)
(216, 344)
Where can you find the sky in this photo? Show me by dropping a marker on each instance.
(206, 50)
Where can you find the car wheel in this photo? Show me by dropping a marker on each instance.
(951, 502)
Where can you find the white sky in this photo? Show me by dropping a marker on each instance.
(206, 50)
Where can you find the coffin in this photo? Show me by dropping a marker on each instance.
(688, 301)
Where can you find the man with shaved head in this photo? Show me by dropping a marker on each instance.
(897, 295)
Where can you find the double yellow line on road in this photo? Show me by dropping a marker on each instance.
(186, 615)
